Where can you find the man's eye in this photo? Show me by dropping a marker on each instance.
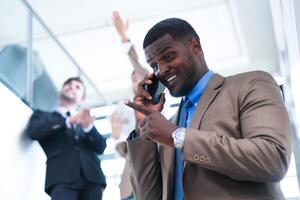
(169, 57)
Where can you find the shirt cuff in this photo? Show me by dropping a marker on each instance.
(126, 46)
(89, 128)
(132, 135)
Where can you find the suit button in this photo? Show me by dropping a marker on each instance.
(207, 160)
(196, 157)
(76, 137)
(202, 158)
(76, 148)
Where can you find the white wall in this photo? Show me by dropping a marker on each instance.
(22, 162)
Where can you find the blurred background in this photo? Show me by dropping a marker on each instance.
(43, 42)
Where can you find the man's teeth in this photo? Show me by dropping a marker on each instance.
(171, 78)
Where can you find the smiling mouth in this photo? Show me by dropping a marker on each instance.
(171, 80)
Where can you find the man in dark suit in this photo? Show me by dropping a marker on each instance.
(72, 145)
(230, 138)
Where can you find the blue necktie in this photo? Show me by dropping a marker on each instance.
(178, 190)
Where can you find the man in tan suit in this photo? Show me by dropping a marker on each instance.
(230, 138)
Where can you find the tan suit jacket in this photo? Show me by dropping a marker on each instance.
(125, 184)
(237, 147)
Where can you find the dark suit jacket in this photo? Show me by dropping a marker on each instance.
(68, 150)
(237, 147)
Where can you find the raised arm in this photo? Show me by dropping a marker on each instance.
(122, 30)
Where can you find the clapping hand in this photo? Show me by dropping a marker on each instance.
(83, 118)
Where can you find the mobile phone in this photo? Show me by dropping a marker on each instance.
(155, 89)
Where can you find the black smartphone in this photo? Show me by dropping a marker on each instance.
(155, 89)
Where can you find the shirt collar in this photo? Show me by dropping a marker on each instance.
(63, 111)
(199, 88)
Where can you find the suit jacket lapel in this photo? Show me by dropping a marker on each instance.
(57, 114)
(211, 91)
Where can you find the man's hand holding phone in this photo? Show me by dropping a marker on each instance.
(150, 123)
(155, 89)
(144, 98)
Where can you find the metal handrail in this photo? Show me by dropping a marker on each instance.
(29, 90)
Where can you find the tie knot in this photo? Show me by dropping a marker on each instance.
(187, 103)
(68, 113)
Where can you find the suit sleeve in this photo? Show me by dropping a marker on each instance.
(145, 167)
(121, 148)
(95, 141)
(42, 124)
(263, 152)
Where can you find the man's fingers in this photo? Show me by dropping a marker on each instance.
(144, 137)
(115, 15)
(142, 91)
(142, 123)
(144, 133)
(137, 107)
(162, 99)
(144, 84)
(149, 76)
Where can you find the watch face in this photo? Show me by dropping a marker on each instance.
(178, 137)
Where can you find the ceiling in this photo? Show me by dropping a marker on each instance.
(236, 35)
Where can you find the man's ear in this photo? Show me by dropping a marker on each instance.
(196, 46)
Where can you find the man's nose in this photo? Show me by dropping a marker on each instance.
(73, 87)
(162, 69)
